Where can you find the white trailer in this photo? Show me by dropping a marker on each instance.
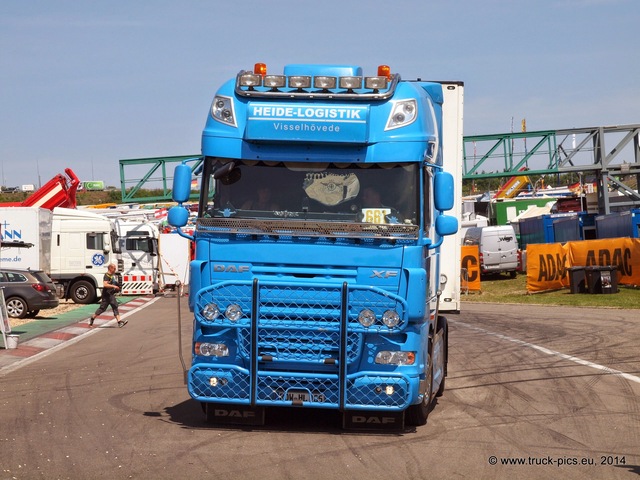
(26, 237)
(72, 246)
(452, 148)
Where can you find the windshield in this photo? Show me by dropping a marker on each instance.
(328, 191)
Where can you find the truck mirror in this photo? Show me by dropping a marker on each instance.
(446, 225)
(178, 216)
(443, 191)
(181, 184)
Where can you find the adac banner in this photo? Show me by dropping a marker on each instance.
(310, 122)
(470, 268)
(548, 264)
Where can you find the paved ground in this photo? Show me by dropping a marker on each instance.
(42, 334)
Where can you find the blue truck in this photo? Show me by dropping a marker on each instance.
(317, 274)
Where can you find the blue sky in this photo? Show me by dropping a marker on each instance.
(85, 84)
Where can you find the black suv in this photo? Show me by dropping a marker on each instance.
(26, 292)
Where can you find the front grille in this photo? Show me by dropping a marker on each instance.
(299, 341)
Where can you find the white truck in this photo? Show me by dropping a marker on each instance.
(138, 242)
(72, 246)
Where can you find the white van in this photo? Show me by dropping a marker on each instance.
(498, 248)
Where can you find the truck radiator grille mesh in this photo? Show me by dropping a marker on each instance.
(294, 337)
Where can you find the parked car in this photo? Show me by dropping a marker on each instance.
(26, 292)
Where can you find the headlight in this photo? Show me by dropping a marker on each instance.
(403, 113)
(233, 312)
(367, 318)
(395, 358)
(222, 110)
(211, 311)
(390, 318)
(212, 349)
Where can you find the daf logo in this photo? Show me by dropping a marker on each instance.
(234, 413)
(373, 420)
(384, 274)
(230, 268)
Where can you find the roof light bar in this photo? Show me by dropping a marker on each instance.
(257, 83)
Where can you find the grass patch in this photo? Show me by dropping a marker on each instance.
(502, 289)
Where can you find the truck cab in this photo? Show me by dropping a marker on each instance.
(316, 276)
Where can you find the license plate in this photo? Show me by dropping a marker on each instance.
(298, 396)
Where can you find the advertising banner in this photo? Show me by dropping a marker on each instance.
(470, 268)
(547, 264)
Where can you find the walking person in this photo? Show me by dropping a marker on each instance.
(109, 289)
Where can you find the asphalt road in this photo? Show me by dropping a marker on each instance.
(532, 392)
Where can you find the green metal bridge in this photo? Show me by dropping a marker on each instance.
(610, 154)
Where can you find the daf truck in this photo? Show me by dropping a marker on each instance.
(325, 198)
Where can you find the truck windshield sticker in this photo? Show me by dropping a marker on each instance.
(331, 188)
(376, 215)
(327, 123)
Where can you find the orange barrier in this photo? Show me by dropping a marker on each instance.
(470, 267)
(547, 264)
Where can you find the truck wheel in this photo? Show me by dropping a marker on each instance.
(16, 307)
(417, 414)
(83, 292)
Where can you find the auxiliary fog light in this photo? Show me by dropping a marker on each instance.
(324, 82)
(366, 318)
(275, 81)
(299, 81)
(388, 389)
(375, 83)
(233, 312)
(387, 357)
(218, 382)
(249, 79)
(390, 318)
(350, 83)
(212, 349)
(211, 311)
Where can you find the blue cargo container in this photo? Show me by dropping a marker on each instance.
(619, 224)
(556, 227)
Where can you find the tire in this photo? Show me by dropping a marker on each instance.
(513, 274)
(16, 307)
(417, 414)
(83, 292)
